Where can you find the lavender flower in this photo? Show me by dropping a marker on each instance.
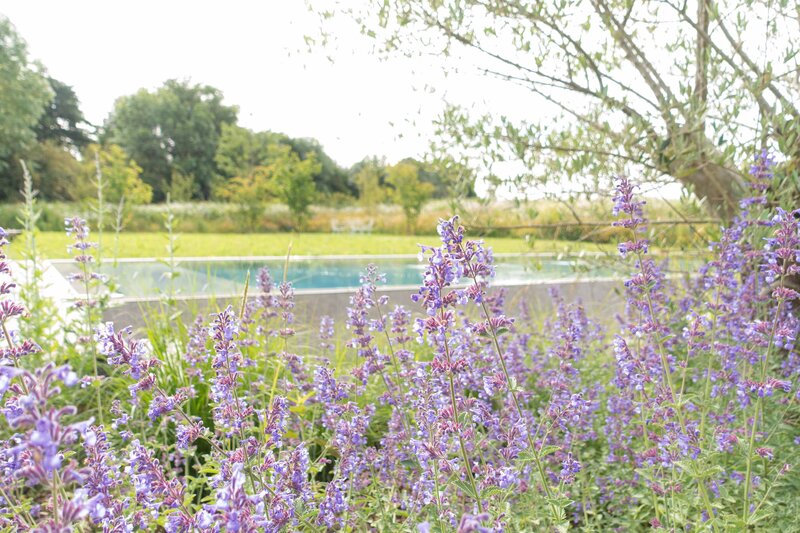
(326, 333)
(153, 489)
(234, 509)
(333, 506)
(569, 468)
(230, 412)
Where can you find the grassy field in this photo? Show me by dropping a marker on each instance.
(53, 245)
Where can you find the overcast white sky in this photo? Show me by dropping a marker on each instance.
(254, 52)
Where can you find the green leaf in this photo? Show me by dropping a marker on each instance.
(466, 488)
(548, 450)
(488, 492)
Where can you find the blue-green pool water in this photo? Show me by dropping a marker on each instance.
(149, 278)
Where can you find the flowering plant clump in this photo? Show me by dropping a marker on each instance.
(442, 413)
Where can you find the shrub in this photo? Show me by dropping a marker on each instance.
(120, 174)
(408, 191)
(461, 417)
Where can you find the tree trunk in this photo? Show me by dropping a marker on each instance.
(718, 185)
(721, 187)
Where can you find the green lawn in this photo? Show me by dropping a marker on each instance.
(53, 245)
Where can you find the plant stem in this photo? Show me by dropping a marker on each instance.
(758, 407)
(454, 404)
(501, 358)
(668, 379)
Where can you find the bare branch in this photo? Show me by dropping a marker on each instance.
(637, 58)
(593, 66)
(571, 86)
(737, 46)
(596, 151)
(764, 106)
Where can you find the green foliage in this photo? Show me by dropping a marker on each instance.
(408, 191)
(453, 178)
(251, 192)
(56, 173)
(294, 181)
(450, 179)
(63, 122)
(651, 88)
(175, 128)
(121, 174)
(283, 176)
(369, 181)
(244, 158)
(40, 123)
(182, 187)
(240, 150)
(24, 93)
(330, 178)
(40, 309)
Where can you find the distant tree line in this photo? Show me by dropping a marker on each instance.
(183, 140)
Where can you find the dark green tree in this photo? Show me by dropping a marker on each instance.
(408, 191)
(331, 177)
(294, 181)
(55, 171)
(370, 163)
(449, 178)
(24, 93)
(281, 176)
(240, 150)
(369, 176)
(454, 176)
(172, 131)
(63, 122)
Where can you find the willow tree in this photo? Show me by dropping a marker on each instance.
(681, 90)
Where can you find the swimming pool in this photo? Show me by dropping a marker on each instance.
(150, 278)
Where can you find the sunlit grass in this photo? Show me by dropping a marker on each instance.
(53, 245)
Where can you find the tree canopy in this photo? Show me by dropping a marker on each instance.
(55, 171)
(294, 180)
(120, 174)
(408, 191)
(241, 150)
(281, 175)
(369, 177)
(180, 139)
(682, 90)
(62, 121)
(331, 178)
(24, 93)
(175, 128)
